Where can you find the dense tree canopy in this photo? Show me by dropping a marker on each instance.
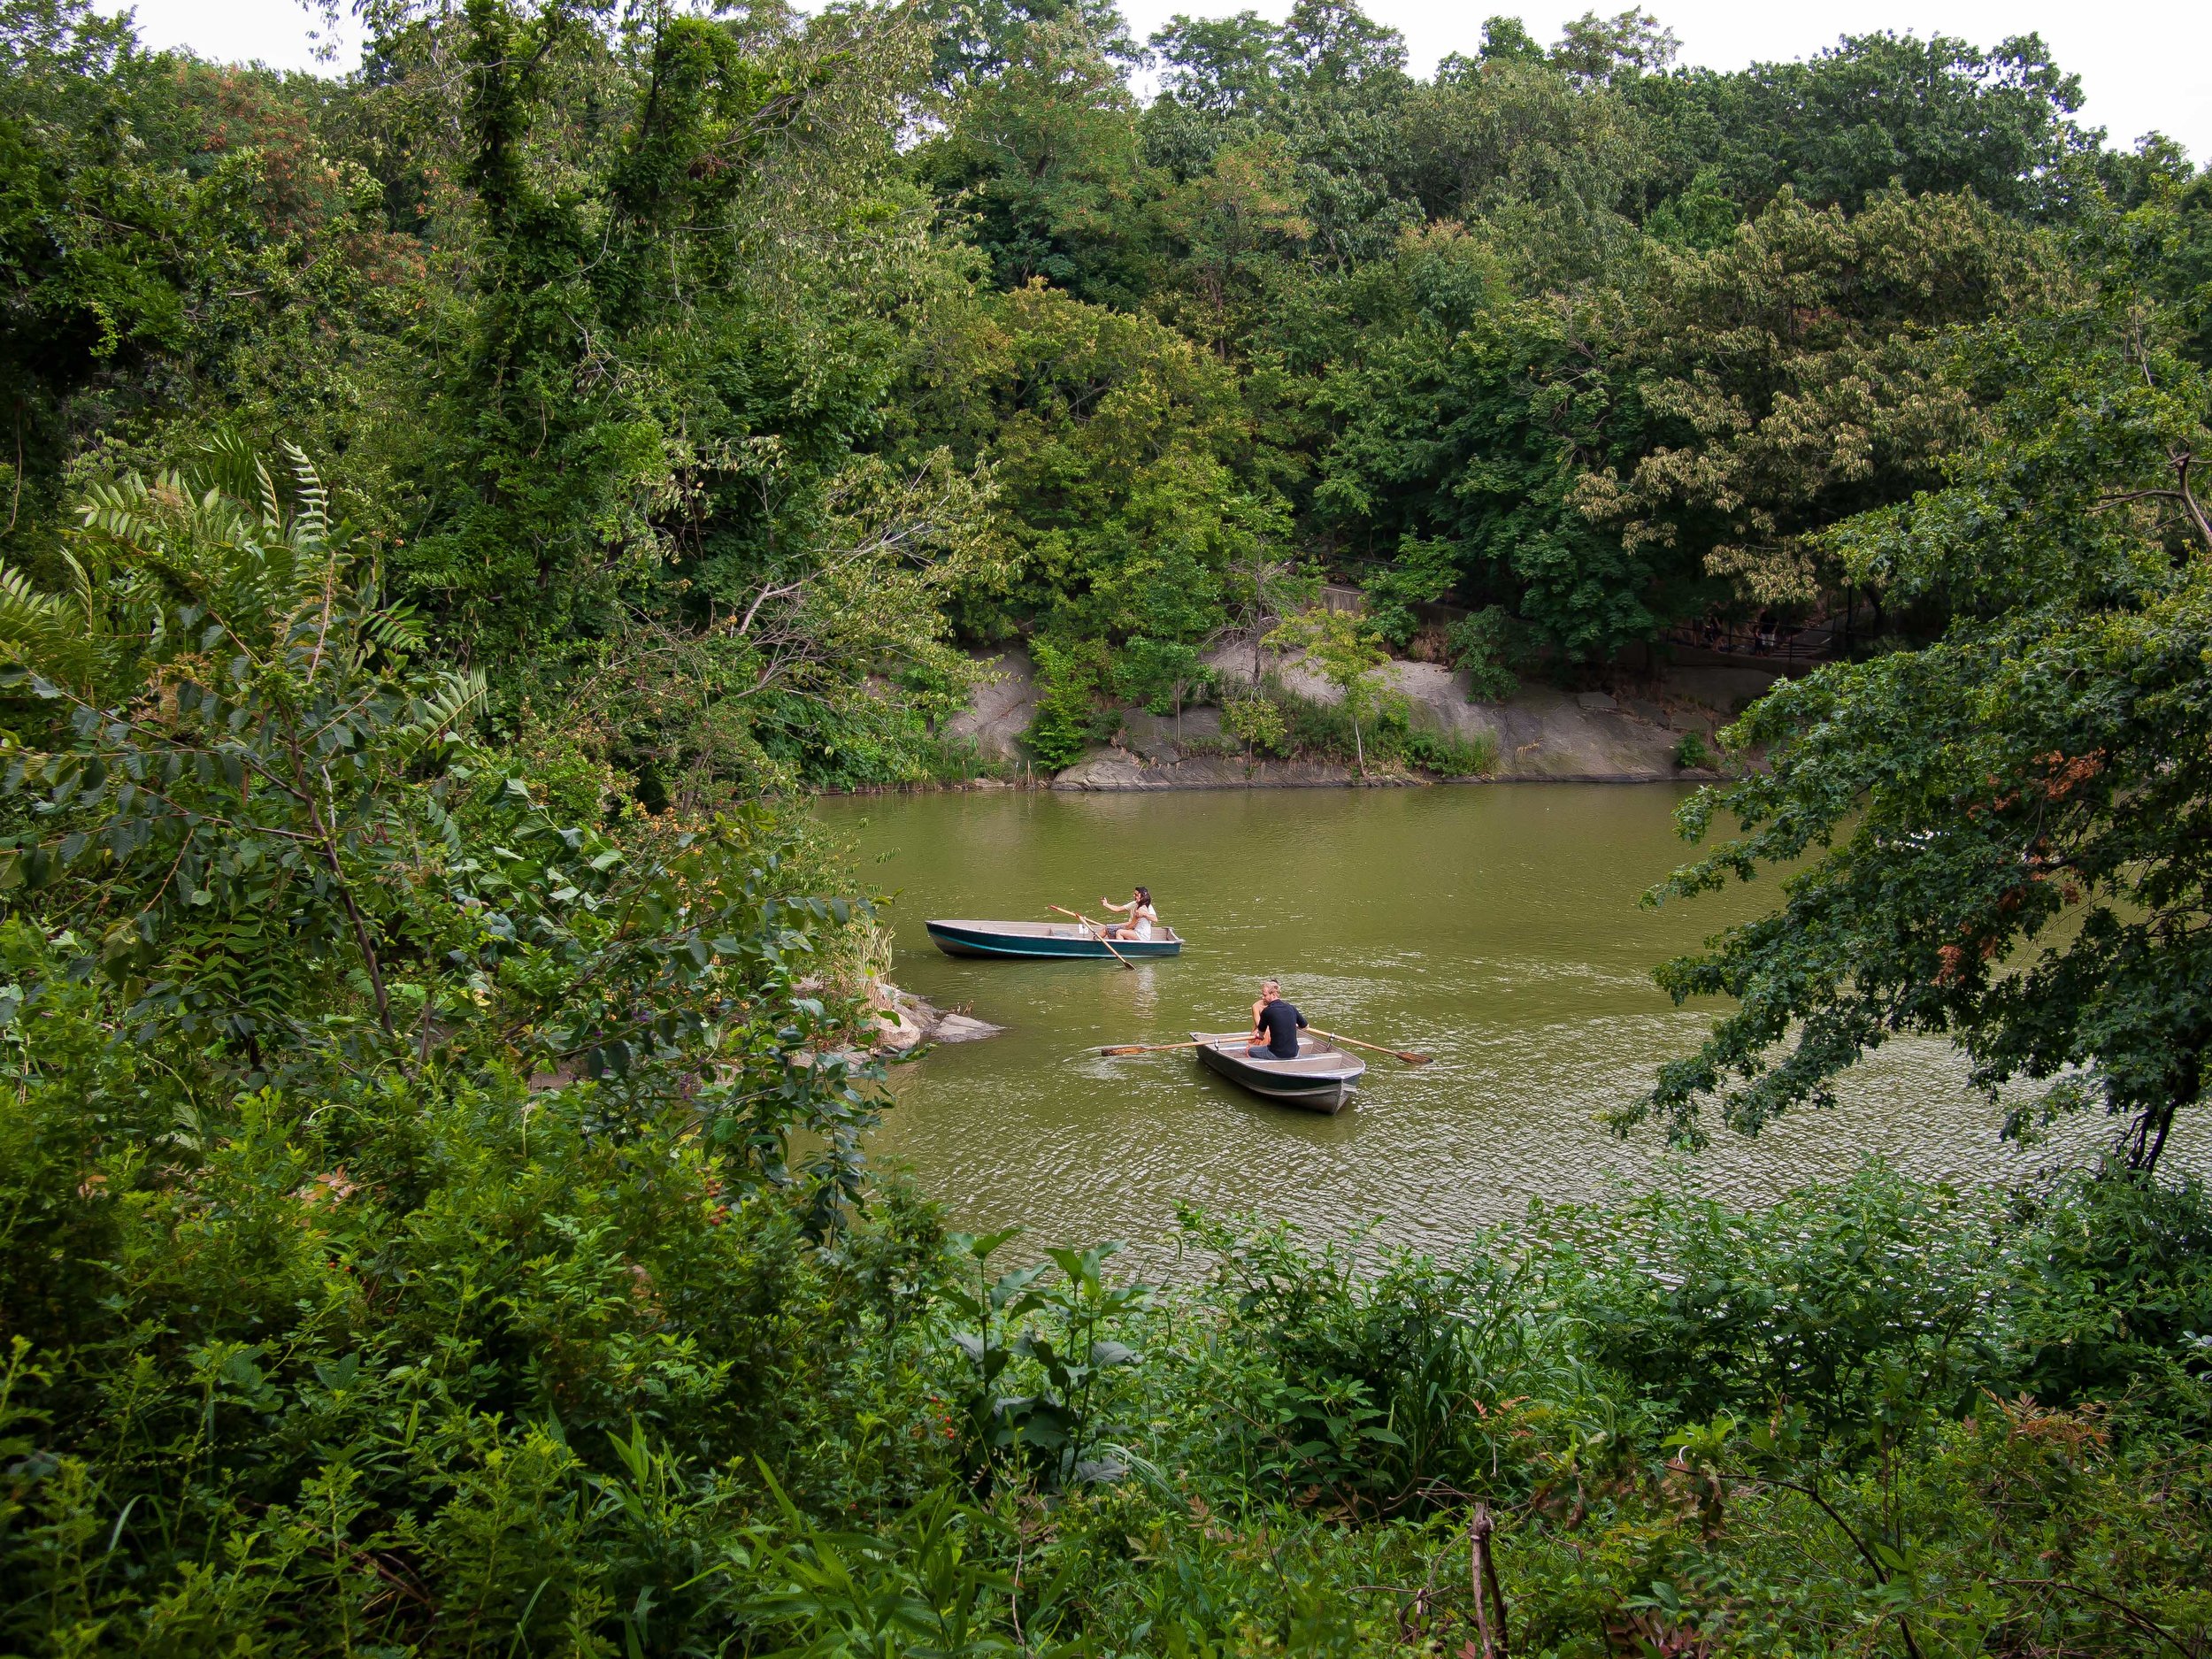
(638, 331)
(2008, 823)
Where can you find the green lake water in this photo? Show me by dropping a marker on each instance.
(1496, 928)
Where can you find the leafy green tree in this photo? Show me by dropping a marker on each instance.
(1071, 712)
(1473, 425)
(1344, 647)
(1041, 158)
(1794, 377)
(256, 819)
(1114, 445)
(1544, 167)
(160, 222)
(1422, 574)
(2004, 832)
(1487, 647)
(1933, 117)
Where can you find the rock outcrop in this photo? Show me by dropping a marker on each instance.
(1540, 734)
(1000, 709)
(1626, 733)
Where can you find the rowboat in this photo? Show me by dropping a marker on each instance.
(1044, 939)
(1320, 1079)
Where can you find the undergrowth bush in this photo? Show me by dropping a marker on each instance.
(1490, 650)
(1691, 751)
(1257, 723)
(1324, 730)
(1072, 712)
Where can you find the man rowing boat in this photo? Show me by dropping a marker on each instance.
(1276, 1021)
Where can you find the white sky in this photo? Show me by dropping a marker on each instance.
(2144, 64)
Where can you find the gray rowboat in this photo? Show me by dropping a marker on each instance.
(1320, 1079)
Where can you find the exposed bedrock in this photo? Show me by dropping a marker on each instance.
(1624, 734)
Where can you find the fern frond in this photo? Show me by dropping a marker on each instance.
(80, 590)
(271, 509)
(445, 710)
(35, 628)
(314, 513)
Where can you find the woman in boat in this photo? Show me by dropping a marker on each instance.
(1142, 917)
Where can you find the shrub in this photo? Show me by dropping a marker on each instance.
(1489, 646)
(1450, 755)
(1690, 752)
(1160, 675)
(1071, 712)
(1257, 723)
(1422, 573)
(513, 1350)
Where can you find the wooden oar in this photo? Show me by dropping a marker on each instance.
(1150, 1048)
(1102, 940)
(1395, 1054)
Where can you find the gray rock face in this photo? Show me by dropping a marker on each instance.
(1160, 738)
(1541, 733)
(1727, 690)
(1001, 707)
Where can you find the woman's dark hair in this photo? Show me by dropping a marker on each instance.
(1145, 894)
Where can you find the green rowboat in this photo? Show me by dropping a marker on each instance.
(1033, 940)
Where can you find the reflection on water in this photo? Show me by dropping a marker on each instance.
(1496, 928)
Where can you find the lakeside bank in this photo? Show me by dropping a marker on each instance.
(1622, 727)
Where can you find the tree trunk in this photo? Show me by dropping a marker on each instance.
(2150, 1137)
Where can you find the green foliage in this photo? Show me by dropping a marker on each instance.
(1423, 573)
(432, 1217)
(1160, 674)
(1691, 752)
(1288, 723)
(1487, 647)
(1937, 116)
(1071, 712)
(1345, 650)
(702, 410)
(441, 1328)
(1748, 451)
(265, 832)
(2029, 780)
(1112, 440)
(1467, 424)
(272, 1359)
(1857, 1307)
(1257, 723)
(1377, 1385)
(1445, 753)
(1068, 1362)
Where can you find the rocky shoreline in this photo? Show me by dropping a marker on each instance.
(906, 1024)
(1627, 732)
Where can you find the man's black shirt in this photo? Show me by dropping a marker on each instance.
(1281, 1022)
